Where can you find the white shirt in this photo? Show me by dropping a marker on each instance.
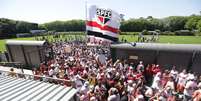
(170, 84)
(101, 58)
(149, 92)
(84, 98)
(140, 67)
(174, 73)
(190, 88)
(139, 98)
(130, 89)
(156, 83)
(84, 89)
(56, 70)
(78, 84)
(121, 66)
(51, 72)
(114, 98)
(190, 76)
(182, 79)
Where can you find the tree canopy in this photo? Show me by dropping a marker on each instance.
(10, 27)
(171, 23)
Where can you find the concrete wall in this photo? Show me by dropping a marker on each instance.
(169, 58)
(196, 65)
(27, 55)
(166, 59)
(16, 54)
(32, 55)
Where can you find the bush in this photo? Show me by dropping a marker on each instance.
(184, 33)
(129, 33)
(197, 33)
(5, 36)
(167, 33)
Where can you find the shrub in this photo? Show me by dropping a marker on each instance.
(197, 33)
(167, 33)
(184, 33)
(129, 33)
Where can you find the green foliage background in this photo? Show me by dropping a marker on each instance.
(8, 27)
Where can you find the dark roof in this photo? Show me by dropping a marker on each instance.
(158, 46)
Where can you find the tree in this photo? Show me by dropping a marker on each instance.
(7, 27)
(154, 23)
(42, 27)
(174, 23)
(149, 18)
(199, 26)
(192, 22)
(62, 26)
(25, 27)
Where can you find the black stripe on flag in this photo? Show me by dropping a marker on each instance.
(98, 34)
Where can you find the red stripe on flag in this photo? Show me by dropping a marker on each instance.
(101, 19)
(107, 28)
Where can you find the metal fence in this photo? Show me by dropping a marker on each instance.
(62, 82)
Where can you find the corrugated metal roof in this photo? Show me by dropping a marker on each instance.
(25, 42)
(18, 89)
(159, 46)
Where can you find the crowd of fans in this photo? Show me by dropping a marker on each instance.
(97, 78)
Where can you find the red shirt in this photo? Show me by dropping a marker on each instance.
(42, 68)
(139, 75)
(155, 70)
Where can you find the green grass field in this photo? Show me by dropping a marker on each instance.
(129, 38)
(169, 39)
(2, 42)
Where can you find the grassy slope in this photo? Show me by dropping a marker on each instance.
(130, 38)
(180, 39)
(3, 41)
(2, 45)
(169, 39)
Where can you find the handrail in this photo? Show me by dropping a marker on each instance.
(22, 75)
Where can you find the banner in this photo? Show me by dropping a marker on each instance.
(103, 24)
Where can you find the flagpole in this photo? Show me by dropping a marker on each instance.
(86, 20)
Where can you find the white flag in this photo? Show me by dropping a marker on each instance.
(103, 23)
